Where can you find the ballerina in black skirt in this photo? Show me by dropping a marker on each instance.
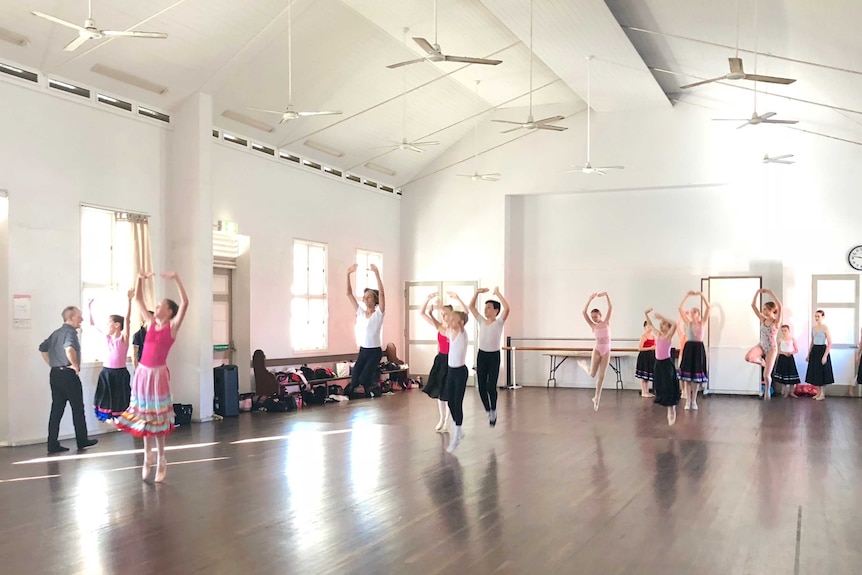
(435, 386)
(785, 373)
(666, 383)
(819, 372)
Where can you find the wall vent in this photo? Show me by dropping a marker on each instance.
(215, 134)
(263, 149)
(69, 88)
(289, 157)
(387, 189)
(333, 172)
(154, 114)
(369, 183)
(235, 140)
(353, 178)
(310, 164)
(114, 102)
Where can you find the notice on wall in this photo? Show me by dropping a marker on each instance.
(21, 311)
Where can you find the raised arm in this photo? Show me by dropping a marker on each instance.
(381, 293)
(429, 316)
(456, 297)
(610, 306)
(139, 299)
(777, 302)
(128, 321)
(649, 319)
(177, 321)
(350, 295)
(587, 310)
(754, 307)
(504, 305)
(707, 308)
(682, 304)
(92, 321)
(472, 307)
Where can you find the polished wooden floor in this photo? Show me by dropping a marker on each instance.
(741, 486)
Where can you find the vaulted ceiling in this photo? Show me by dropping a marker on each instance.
(643, 50)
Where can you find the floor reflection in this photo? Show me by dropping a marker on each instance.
(666, 476)
(445, 483)
(489, 502)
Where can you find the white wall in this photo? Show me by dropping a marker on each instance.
(693, 200)
(275, 202)
(56, 154)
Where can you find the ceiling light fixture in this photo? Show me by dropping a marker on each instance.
(379, 168)
(323, 148)
(243, 119)
(129, 79)
(14, 38)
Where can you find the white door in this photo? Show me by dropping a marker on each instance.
(733, 330)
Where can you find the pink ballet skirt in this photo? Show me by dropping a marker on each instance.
(151, 408)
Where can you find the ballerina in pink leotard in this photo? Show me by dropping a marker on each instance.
(601, 354)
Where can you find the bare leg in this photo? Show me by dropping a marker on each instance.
(595, 361)
(645, 389)
(686, 389)
(755, 355)
(768, 365)
(693, 388)
(602, 368)
(162, 465)
(148, 457)
(671, 415)
(443, 409)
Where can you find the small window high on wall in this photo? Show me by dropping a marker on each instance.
(107, 268)
(308, 306)
(365, 278)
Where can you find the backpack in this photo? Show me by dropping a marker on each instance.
(334, 389)
(321, 373)
(307, 372)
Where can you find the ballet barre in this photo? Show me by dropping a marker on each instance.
(559, 355)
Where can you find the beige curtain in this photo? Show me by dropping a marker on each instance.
(142, 256)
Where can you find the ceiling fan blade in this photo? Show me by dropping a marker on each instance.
(56, 20)
(781, 157)
(730, 119)
(780, 121)
(413, 148)
(75, 44)
(489, 178)
(508, 122)
(551, 127)
(550, 119)
(702, 82)
(424, 143)
(321, 113)
(134, 34)
(512, 129)
(609, 168)
(598, 171)
(279, 112)
(770, 79)
(407, 63)
(426, 45)
(468, 60)
(766, 115)
(747, 122)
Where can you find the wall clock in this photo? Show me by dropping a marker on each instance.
(854, 258)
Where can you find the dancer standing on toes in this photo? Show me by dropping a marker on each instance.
(151, 412)
(601, 354)
(666, 384)
(114, 387)
(488, 357)
(456, 375)
(764, 353)
(819, 359)
(435, 386)
(646, 359)
(692, 365)
(369, 332)
(785, 372)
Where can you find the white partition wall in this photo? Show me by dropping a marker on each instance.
(733, 330)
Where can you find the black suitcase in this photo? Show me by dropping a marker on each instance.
(226, 392)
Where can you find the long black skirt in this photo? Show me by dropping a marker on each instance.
(859, 374)
(435, 386)
(645, 365)
(817, 373)
(666, 383)
(785, 370)
(692, 366)
(112, 392)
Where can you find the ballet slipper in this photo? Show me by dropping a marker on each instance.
(440, 425)
(671, 416)
(595, 404)
(687, 404)
(161, 470)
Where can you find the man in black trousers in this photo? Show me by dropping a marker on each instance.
(62, 352)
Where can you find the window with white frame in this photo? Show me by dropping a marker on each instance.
(106, 274)
(365, 278)
(308, 308)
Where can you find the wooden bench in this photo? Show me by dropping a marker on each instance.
(266, 383)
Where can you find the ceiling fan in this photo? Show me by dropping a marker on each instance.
(531, 124)
(404, 144)
(435, 54)
(588, 168)
(476, 176)
(89, 31)
(736, 70)
(289, 113)
(783, 159)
